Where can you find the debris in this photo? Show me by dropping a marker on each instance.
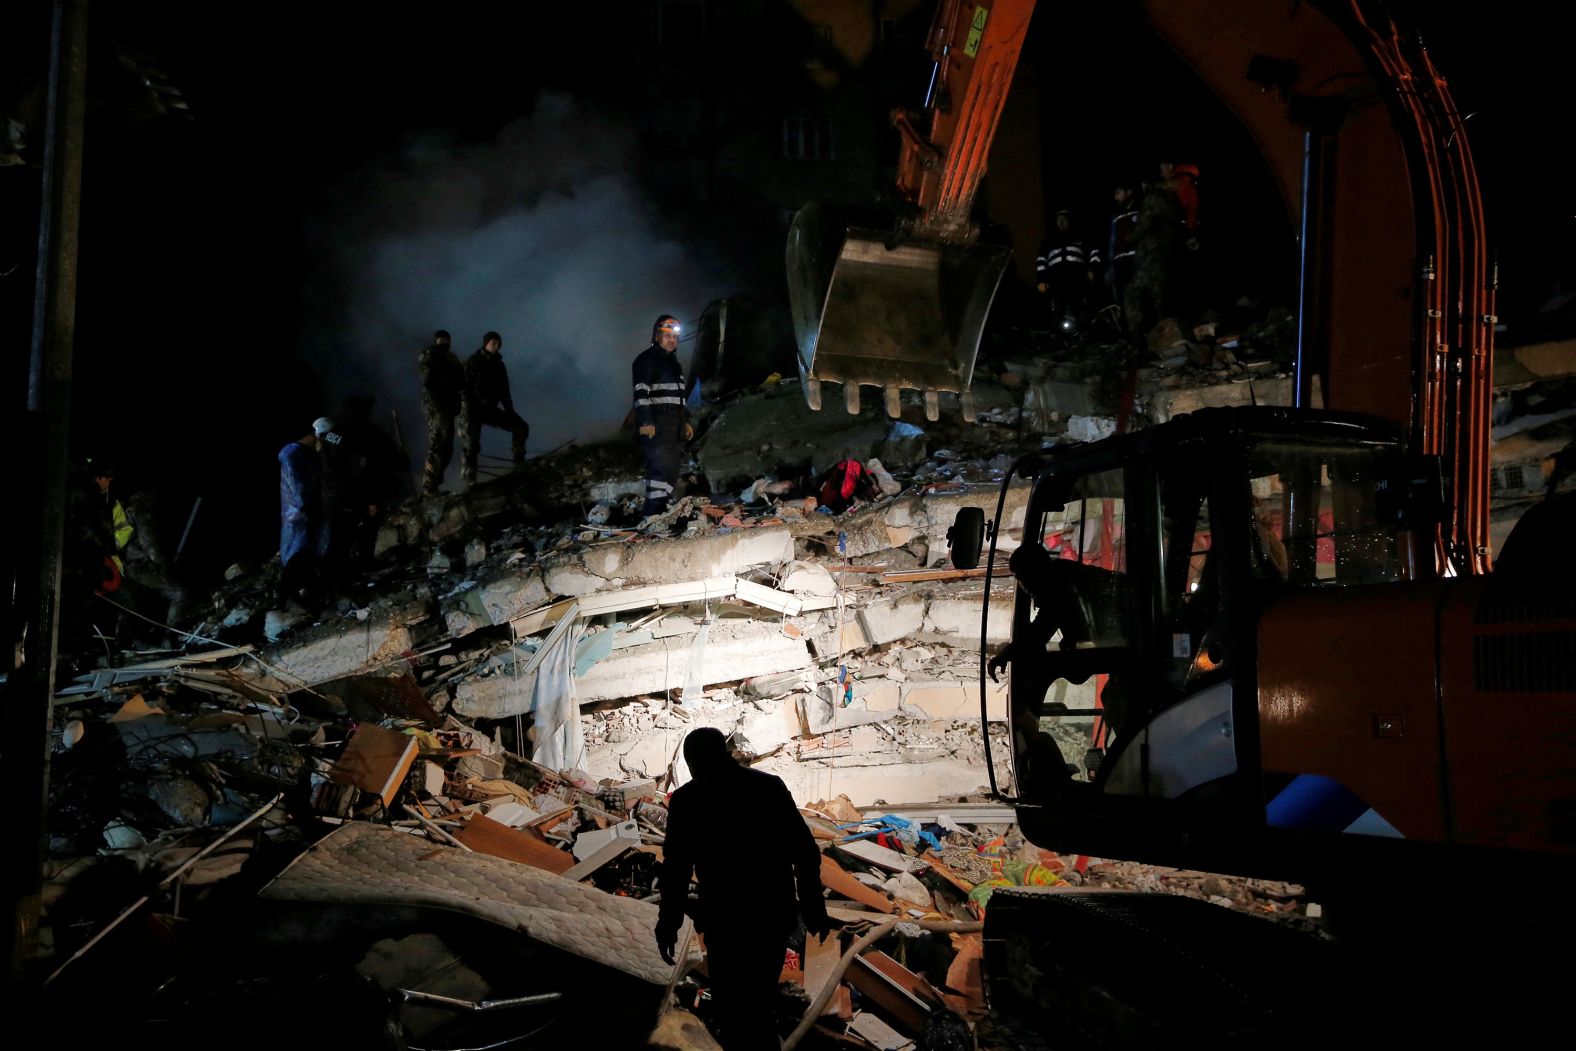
(376, 761)
(486, 836)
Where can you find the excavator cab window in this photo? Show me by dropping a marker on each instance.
(1192, 582)
(1071, 632)
(1319, 516)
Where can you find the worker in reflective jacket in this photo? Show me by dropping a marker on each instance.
(660, 418)
(1065, 268)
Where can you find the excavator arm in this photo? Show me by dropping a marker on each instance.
(899, 302)
(1396, 310)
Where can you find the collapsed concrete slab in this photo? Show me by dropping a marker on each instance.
(333, 651)
(731, 650)
(917, 522)
(713, 555)
(510, 593)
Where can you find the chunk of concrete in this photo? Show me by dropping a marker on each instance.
(332, 652)
(960, 616)
(885, 622)
(807, 578)
(733, 650)
(684, 559)
(569, 579)
(510, 594)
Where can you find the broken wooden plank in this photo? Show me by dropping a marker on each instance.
(376, 761)
(891, 995)
(610, 851)
(486, 836)
(915, 576)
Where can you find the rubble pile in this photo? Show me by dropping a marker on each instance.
(487, 721)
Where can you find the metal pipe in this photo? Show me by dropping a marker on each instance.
(1308, 255)
(478, 1005)
(46, 428)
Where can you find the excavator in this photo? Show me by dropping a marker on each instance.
(1266, 641)
(900, 301)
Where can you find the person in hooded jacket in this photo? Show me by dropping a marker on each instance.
(746, 922)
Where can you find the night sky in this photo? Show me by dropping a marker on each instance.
(499, 166)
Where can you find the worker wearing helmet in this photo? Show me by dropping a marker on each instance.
(661, 421)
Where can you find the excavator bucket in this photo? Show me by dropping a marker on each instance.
(908, 316)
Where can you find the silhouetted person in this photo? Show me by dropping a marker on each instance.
(751, 897)
(488, 403)
(442, 393)
(301, 534)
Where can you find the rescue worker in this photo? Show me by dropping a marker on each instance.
(660, 417)
(344, 503)
(300, 518)
(744, 959)
(1157, 238)
(442, 396)
(1121, 251)
(488, 403)
(120, 527)
(1192, 281)
(1065, 268)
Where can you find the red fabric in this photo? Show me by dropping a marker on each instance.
(839, 488)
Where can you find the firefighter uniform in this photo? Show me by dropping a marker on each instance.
(488, 404)
(442, 395)
(1123, 251)
(660, 415)
(1065, 267)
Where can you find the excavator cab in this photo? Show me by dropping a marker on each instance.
(1135, 699)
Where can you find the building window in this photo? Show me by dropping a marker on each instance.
(807, 139)
(1514, 480)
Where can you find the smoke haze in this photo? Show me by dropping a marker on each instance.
(542, 235)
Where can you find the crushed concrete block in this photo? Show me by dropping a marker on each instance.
(685, 559)
(823, 711)
(759, 733)
(278, 621)
(332, 652)
(475, 553)
(604, 559)
(957, 700)
(513, 593)
(807, 578)
(733, 650)
(569, 579)
(960, 616)
(885, 622)
(1090, 428)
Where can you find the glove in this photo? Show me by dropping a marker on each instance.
(689, 432)
(667, 942)
(1042, 287)
(648, 430)
(817, 923)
